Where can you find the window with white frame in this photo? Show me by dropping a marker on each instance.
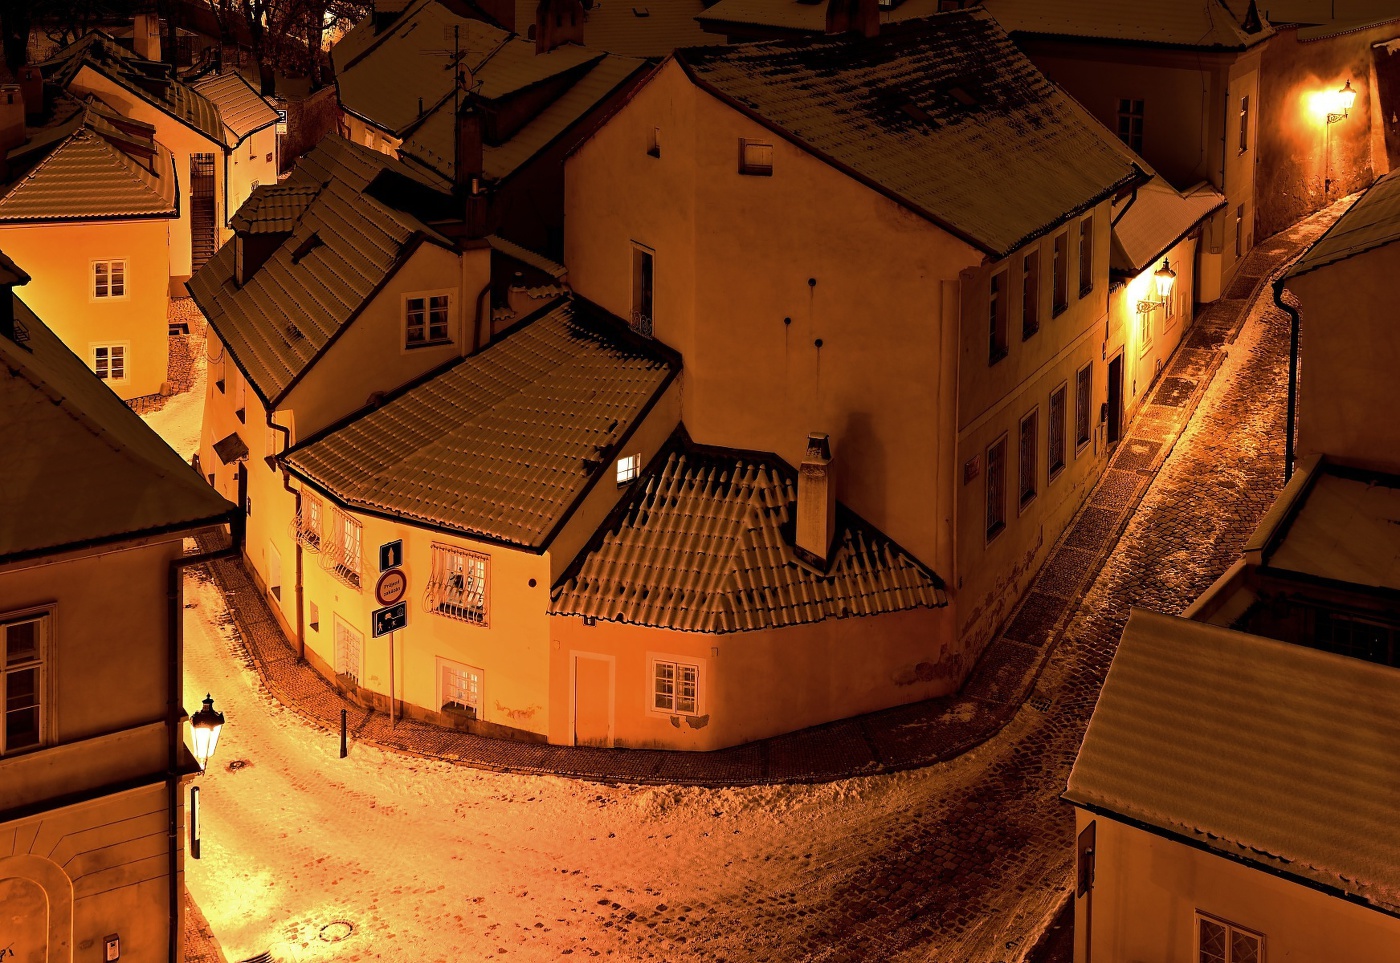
(340, 548)
(675, 687)
(1221, 942)
(348, 646)
(109, 361)
(628, 466)
(427, 320)
(24, 643)
(308, 522)
(109, 278)
(755, 158)
(457, 588)
(459, 689)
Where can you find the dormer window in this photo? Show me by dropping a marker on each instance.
(427, 320)
(755, 158)
(628, 467)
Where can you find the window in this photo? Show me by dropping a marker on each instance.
(1086, 255)
(1055, 443)
(755, 158)
(1244, 124)
(457, 588)
(1144, 330)
(996, 317)
(1083, 397)
(313, 616)
(459, 689)
(676, 687)
(1060, 270)
(1030, 432)
(308, 522)
(1169, 309)
(348, 644)
(996, 487)
(1220, 942)
(23, 645)
(109, 279)
(340, 549)
(627, 468)
(426, 320)
(1239, 231)
(1356, 637)
(1030, 294)
(654, 144)
(643, 279)
(1130, 123)
(109, 361)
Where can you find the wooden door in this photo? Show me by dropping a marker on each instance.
(592, 701)
(1115, 399)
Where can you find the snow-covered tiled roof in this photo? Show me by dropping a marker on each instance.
(1267, 752)
(241, 108)
(634, 28)
(704, 543)
(1372, 222)
(80, 467)
(503, 443)
(1344, 528)
(923, 113)
(1197, 24)
(1152, 223)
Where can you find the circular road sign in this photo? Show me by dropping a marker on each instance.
(391, 587)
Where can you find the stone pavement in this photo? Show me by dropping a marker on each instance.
(185, 358)
(1005, 677)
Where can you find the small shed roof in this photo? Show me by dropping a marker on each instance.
(81, 468)
(502, 444)
(241, 108)
(1171, 23)
(923, 113)
(1269, 753)
(1153, 223)
(703, 543)
(1372, 222)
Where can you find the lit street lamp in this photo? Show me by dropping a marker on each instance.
(1163, 278)
(1343, 99)
(204, 729)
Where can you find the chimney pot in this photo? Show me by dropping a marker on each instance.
(558, 22)
(853, 16)
(816, 499)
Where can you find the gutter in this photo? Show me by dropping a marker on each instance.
(175, 641)
(1289, 451)
(296, 515)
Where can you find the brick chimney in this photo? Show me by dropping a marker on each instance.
(145, 36)
(816, 500)
(558, 22)
(31, 84)
(853, 16)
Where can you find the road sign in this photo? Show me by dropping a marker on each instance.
(391, 555)
(390, 619)
(391, 587)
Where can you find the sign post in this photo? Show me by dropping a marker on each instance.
(387, 621)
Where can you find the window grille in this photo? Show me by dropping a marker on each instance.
(643, 291)
(996, 487)
(1055, 447)
(457, 588)
(307, 524)
(1082, 400)
(676, 687)
(460, 689)
(1030, 430)
(348, 643)
(340, 549)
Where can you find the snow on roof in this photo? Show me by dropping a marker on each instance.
(798, 16)
(634, 28)
(703, 543)
(1153, 223)
(241, 108)
(1345, 527)
(1270, 753)
(923, 114)
(80, 466)
(1372, 222)
(1205, 23)
(86, 168)
(343, 245)
(503, 443)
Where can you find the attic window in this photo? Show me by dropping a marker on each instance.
(306, 247)
(755, 158)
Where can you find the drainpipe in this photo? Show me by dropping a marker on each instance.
(476, 324)
(175, 641)
(296, 514)
(1131, 201)
(1288, 452)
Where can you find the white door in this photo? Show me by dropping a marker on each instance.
(348, 644)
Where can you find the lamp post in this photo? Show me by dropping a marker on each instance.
(1344, 99)
(205, 726)
(1164, 278)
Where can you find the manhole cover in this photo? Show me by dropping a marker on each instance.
(238, 764)
(337, 930)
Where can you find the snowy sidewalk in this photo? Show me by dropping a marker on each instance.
(888, 741)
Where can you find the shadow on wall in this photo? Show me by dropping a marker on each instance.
(861, 462)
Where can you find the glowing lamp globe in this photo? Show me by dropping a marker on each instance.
(204, 730)
(1165, 278)
(1346, 97)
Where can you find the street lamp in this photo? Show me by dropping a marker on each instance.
(1344, 99)
(1164, 278)
(204, 729)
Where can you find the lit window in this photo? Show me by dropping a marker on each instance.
(308, 531)
(457, 588)
(627, 468)
(996, 317)
(1221, 942)
(1083, 390)
(755, 158)
(996, 487)
(340, 549)
(1030, 294)
(1030, 431)
(1055, 446)
(23, 646)
(348, 646)
(676, 687)
(109, 279)
(109, 361)
(1130, 123)
(1086, 255)
(459, 689)
(426, 320)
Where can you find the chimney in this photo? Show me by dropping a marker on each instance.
(11, 118)
(10, 276)
(31, 84)
(145, 36)
(469, 169)
(558, 22)
(816, 500)
(853, 16)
